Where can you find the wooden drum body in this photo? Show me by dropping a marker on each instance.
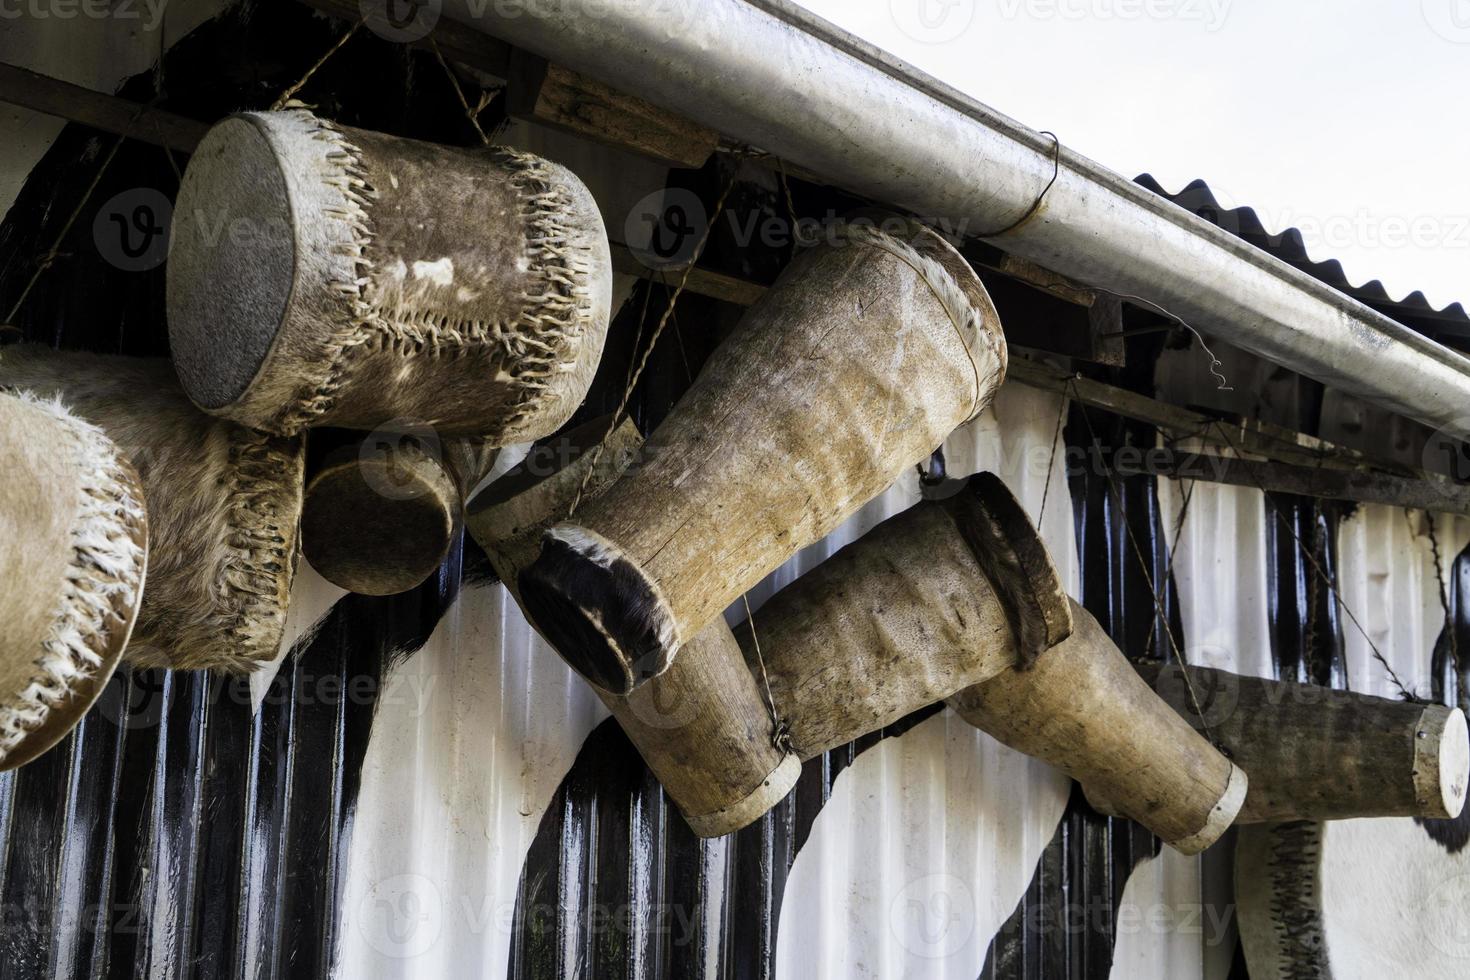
(1083, 709)
(702, 725)
(864, 356)
(327, 276)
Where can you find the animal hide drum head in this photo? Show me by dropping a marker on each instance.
(1354, 899)
(231, 262)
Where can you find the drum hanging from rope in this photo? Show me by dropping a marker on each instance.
(1083, 709)
(1314, 753)
(928, 603)
(863, 357)
(73, 543)
(224, 503)
(381, 513)
(1354, 899)
(327, 276)
(701, 726)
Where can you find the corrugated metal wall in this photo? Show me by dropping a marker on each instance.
(425, 791)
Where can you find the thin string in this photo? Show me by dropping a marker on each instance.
(652, 343)
(1174, 548)
(796, 238)
(1342, 606)
(55, 250)
(290, 93)
(1051, 465)
(780, 730)
(472, 114)
(1163, 618)
(1056, 171)
(1215, 363)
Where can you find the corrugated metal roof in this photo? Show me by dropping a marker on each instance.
(1450, 325)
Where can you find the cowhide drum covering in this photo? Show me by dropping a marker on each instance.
(1315, 753)
(1355, 899)
(224, 503)
(327, 276)
(867, 352)
(73, 544)
(702, 726)
(1083, 708)
(381, 513)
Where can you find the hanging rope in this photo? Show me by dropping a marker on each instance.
(472, 114)
(1051, 463)
(291, 91)
(1162, 616)
(54, 251)
(663, 322)
(780, 729)
(1173, 549)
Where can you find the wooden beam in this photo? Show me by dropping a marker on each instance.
(702, 282)
(1249, 436)
(54, 97)
(562, 99)
(1424, 492)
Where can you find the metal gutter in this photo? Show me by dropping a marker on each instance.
(770, 74)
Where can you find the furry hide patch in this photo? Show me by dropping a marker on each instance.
(224, 503)
(74, 550)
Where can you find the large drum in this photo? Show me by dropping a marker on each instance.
(1355, 899)
(73, 544)
(1082, 708)
(321, 275)
(224, 504)
(868, 351)
(1314, 753)
(702, 726)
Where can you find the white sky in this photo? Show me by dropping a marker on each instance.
(1350, 118)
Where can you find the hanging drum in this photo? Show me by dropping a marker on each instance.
(868, 351)
(1083, 709)
(1314, 753)
(381, 513)
(223, 501)
(327, 276)
(1354, 899)
(73, 544)
(702, 725)
(932, 601)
